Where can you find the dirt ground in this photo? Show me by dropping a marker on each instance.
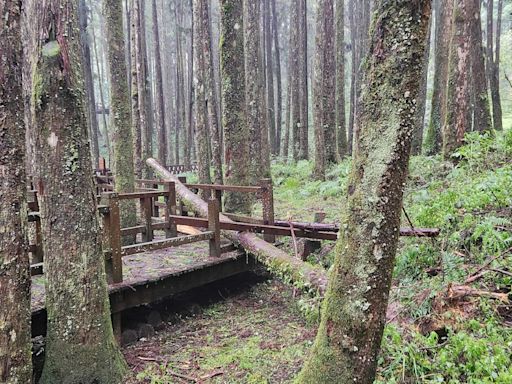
(251, 333)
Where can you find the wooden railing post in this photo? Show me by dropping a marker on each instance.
(156, 210)
(214, 226)
(115, 239)
(170, 202)
(147, 209)
(183, 208)
(267, 201)
(218, 196)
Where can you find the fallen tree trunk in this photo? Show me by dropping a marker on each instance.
(301, 274)
(324, 227)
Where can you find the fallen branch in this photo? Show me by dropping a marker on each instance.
(461, 291)
(276, 260)
(481, 271)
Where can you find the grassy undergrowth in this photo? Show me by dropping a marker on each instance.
(441, 328)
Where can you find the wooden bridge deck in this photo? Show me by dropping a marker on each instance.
(154, 275)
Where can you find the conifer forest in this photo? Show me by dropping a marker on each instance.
(255, 191)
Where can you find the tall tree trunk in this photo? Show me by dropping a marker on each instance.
(293, 77)
(80, 346)
(458, 107)
(236, 132)
(303, 82)
(89, 83)
(15, 314)
(279, 87)
(200, 104)
(138, 113)
(101, 77)
(120, 108)
(287, 127)
(145, 95)
(354, 308)
(269, 69)
(160, 106)
(341, 130)
(417, 139)
(211, 94)
(254, 93)
(433, 139)
(493, 61)
(324, 90)
(482, 120)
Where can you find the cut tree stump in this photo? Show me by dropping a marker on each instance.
(277, 261)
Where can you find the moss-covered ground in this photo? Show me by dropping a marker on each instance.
(449, 317)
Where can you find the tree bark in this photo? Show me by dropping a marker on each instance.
(290, 269)
(354, 309)
(293, 78)
(15, 314)
(482, 120)
(341, 129)
(236, 132)
(80, 346)
(254, 94)
(458, 108)
(324, 91)
(120, 110)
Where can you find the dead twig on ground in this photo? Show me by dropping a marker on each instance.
(481, 271)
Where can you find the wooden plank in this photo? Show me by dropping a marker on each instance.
(147, 209)
(243, 219)
(166, 243)
(170, 209)
(258, 228)
(115, 239)
(140, 195)
(220, 187)
(213, 226)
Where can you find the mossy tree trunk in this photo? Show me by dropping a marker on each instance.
(255, 93)
(120, 109)
(80, 345)
(458, 102)
(341, 129)
(444, 18)
(482, 120)
(15, 350)
(324, 89)
(354, 308)
(236, 132)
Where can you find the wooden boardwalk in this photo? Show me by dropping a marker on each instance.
(155, 275)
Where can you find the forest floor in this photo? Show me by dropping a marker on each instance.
(449, 317)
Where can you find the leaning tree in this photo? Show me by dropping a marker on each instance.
(354, 307)
(80, 345)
